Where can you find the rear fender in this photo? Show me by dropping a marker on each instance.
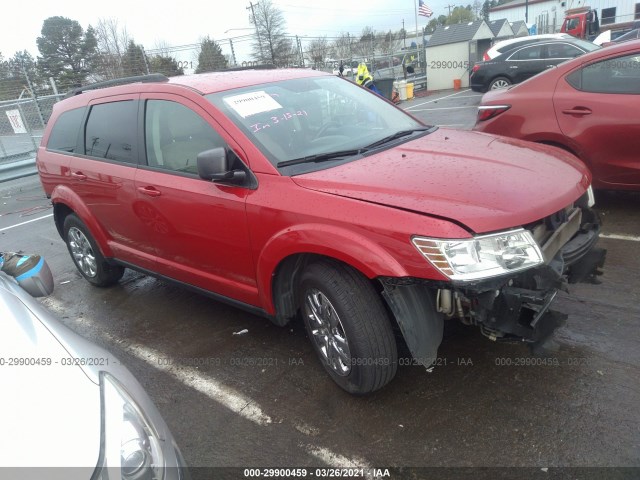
(63, 195)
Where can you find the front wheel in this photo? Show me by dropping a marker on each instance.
(348, 326)
(500, 82)
(86, 254)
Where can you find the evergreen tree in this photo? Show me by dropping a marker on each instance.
(210, 57)
(133, 61)
(165, 65)
(66, 51)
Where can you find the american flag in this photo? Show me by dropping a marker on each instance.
(424, 10)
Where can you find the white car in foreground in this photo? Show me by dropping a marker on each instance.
(68, 408)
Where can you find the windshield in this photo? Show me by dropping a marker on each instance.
(312, 117)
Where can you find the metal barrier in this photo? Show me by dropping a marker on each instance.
(18, 169)
(22, 122)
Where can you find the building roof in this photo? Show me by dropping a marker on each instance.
(459, 32)
(519, 28)
(519, 3)
(496, 25)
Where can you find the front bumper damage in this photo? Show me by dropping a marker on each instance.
(506, 308)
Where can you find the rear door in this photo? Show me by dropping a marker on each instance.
(525, 62)
(556, 53)
(103, 175)
(597, 107)
(199, 228)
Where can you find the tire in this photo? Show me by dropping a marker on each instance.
(87, 256)
(348, 326)
(499, 82)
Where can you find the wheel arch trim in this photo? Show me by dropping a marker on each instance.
(324, 240)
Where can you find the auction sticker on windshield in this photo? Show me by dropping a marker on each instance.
(248, 104)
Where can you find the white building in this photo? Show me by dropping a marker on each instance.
(549, 14)
(453, 50)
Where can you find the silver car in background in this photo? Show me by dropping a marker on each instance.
(68, 408)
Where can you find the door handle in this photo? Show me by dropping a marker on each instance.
(150, 191)
(550, 66)
(577, 111)
(513, 66)
(78, 175)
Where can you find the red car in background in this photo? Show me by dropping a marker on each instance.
(589, 106)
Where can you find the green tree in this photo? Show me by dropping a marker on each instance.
(165, 65)
(210, 57)
(461, 15)
(133, 61)
(66, 51)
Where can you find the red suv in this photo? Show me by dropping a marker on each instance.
(293, 192)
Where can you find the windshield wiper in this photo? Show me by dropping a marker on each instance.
(321, 157)
(395, 136)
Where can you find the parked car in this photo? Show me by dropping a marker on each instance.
(505, 46)
(524, 62)
(632, 35)
(70, 409)
(295, 192)
(587, 106)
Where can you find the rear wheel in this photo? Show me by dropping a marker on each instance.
(499, 82)
(86, 254)
(348, 326)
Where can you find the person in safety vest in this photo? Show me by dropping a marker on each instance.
(365, 79)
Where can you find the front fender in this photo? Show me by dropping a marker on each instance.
(338, 243)
(63, 195)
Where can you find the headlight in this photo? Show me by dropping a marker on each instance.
(132, 447)
(483, 256)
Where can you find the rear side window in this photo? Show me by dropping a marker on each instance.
(64, 134)
(562, 50)
(528, 53)
(111, 131)
(619, 75)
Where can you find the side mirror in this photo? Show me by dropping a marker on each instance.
(214, 165)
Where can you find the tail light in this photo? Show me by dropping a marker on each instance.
(486, 57)
(475, 68)
(485, 112)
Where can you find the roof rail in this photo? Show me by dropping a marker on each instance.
(153, 77)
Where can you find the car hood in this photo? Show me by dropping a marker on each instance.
(50, 414)
(485, 182)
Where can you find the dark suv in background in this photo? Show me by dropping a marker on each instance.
(519, 64)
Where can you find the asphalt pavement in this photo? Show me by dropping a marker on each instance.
(261, 399)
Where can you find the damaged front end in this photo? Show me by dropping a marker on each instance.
(544, 256)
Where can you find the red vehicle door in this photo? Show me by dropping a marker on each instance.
(104, 176)
(198, 228)
(597, 108)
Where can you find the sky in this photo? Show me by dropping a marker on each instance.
(152, 22)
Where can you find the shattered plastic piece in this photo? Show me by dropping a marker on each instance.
(241, 332)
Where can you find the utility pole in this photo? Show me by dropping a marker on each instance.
(300, 52)
(450, 7)
(404, 35)
(233, 53)
(253, 14)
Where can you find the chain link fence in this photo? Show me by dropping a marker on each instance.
(27, 95)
